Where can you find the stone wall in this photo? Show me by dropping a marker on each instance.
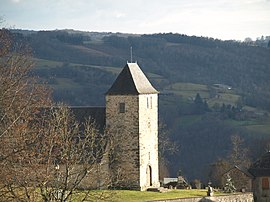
(261, 194)
(148, 137)
(245, 197)
(135, 130)
(124, 128)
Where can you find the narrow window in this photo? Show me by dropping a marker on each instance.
(147, 103)
(265, 183)
(151, 102)
(122, 107)
(150, 175)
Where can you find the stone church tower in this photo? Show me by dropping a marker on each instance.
(132, 122)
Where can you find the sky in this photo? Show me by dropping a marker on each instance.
(222, 19)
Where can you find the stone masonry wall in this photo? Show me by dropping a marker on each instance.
(125, 129)
(148, 132)
(245, 197)
(260, 194)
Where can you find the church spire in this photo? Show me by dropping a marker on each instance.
(131, 81)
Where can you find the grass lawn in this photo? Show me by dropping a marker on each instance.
(140, 196)
(129, 196)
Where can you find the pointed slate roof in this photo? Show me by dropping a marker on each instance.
(131, 81)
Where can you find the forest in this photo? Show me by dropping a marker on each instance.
(210, 90)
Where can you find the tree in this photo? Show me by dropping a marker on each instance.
(248, 40)
(21, 96)
(64, 158)
(75, 157)
(239, 154)
(229, 186)
(200, 106)
(217, 169)
(20, 93)
(166, 147)
(45, 154)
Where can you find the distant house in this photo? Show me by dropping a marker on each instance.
(222, 86)
(169, 182)
(178, 183)
(260, 169)
(242, 179)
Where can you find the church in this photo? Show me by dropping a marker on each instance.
(131, 116)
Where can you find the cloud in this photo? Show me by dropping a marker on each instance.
(118, 14)
(213, 18)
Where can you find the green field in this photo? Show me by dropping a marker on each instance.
(141, 196)
(126, 195)
(263, 129)
(42, 63)
(46, 63)
(189, 90)
(65, 83)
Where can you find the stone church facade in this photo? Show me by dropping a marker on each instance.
(131, 121)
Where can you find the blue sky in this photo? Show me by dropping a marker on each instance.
(223, 19)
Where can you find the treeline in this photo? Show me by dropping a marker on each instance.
(205, 61)
(201, 132)
(89, 84)
(176, 57)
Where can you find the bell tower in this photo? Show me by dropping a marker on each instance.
(132, 123)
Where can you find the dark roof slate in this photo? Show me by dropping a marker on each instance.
(243, 170)
(96, 114)
(261, 167)
(131, 81)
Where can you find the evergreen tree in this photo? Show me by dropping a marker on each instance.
(229, 186)
(198, 100)
(200, 106)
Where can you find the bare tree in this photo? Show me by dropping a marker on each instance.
(238, 156)
(165, 147)
(45, 154)
(65, 158)
(21, 96)
(217, 170)
(75, 157)
(239, 153)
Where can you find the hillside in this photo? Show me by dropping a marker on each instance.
(231, 78)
